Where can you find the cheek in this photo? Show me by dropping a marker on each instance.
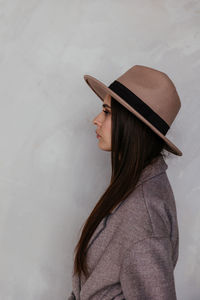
(108, 126)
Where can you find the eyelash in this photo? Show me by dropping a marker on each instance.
(106, 112)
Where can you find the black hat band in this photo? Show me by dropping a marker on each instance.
(141, 107)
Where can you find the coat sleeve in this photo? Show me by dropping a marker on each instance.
(146, 271)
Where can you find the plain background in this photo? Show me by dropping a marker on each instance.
(52, 172)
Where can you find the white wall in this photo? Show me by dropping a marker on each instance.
(51, 169)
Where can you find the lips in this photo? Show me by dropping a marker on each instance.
(97, 133)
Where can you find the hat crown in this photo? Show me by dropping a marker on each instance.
(155, 89)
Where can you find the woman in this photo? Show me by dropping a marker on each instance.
(128, 247)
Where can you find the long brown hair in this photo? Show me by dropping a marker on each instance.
(133, 146)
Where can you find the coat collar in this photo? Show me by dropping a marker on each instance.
(155, 168)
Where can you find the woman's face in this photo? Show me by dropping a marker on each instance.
(103, 122)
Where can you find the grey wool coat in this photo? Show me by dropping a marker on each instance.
(133, 251)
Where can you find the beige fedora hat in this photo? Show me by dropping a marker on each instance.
(148, 93)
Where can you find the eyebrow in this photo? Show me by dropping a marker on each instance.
(106, 105)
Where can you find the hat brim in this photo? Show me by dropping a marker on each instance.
(101, 90)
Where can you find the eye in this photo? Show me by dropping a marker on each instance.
(106, 112)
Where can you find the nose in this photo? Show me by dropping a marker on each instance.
(97, 120)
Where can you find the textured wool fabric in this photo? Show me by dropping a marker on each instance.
(134, 250)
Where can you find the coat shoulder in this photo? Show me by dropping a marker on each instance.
(149, 210)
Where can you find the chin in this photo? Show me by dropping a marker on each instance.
(104, 148)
